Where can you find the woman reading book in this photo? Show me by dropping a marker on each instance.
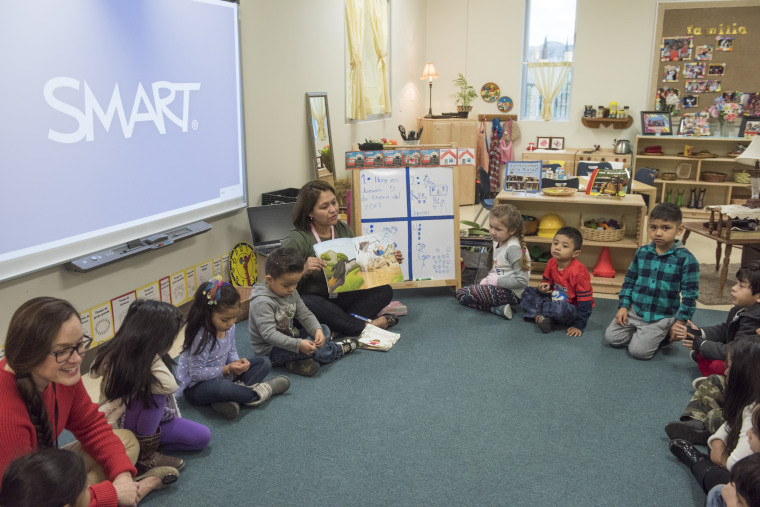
(315, 219)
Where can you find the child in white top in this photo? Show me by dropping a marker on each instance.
(503, 287)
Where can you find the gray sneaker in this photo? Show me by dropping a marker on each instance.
(229, 409)
(347, 345)
(263, 390)
(545, 324)
(279, 384)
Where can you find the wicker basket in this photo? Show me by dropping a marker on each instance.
(668, 176)
(245, 302)
(537, 267)
(712, 177)
(602, 235)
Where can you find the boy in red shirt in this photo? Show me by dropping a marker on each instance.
(564, 297)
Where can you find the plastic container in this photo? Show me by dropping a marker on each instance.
(279, 196)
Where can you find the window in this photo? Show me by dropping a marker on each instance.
(367, 59)
(548, 56)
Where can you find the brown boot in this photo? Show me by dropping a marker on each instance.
(150, 457)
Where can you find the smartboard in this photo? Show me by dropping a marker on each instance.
(418, 207)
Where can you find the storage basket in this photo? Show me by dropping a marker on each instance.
(279, 196)
(602, 235)
(668, 176)
(537, 267)
(742, 176)
(245, 302)
(712, 177)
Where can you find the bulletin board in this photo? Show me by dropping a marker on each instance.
(418, 206)
(704, 24)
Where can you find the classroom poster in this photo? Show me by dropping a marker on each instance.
(119, 307)
(86, 320)
(164, 285)
(225, 270)
(102, 323)
(204, 272)
(217, 266)
(179, 288)
(150, 291)
(190, 278)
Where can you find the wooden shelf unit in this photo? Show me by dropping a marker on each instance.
(630, 208)
(617, 123)
(716, 193)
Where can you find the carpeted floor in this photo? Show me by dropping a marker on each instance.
(466, 409)
(709, 283)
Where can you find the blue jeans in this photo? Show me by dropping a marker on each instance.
(535, 303)
(224, 389)
(327, 353)
(714, 497)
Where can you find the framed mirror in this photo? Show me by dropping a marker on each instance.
(320, 136)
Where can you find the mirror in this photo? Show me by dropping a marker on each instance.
(320, 136)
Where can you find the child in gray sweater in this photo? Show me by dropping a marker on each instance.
(274, 307)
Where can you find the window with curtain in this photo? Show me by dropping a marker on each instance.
(548, 59)
(368, 94)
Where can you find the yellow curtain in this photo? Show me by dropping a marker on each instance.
(549, 78)
(378, 15)
(318, 113)
(355, 33)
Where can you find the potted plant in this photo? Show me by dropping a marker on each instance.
(464, 96)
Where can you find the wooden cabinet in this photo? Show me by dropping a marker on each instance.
(603, 156)
(715, 193)
(630, 209)
(458, 132)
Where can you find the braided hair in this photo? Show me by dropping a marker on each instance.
(511, 218)
(31, 333)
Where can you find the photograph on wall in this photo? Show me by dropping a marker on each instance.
(716, 69)
(694, 70)
(695, 124)
(732, 97)
(671, 73)
(724, 43)
(690, 101)
(751, 104)
(668, 99)
(750, 126)
(703, 52)
(674, 49)
(655, 123)
(695, 86)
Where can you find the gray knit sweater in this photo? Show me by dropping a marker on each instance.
(270, 321)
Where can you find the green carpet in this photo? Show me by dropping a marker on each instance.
(466, 409)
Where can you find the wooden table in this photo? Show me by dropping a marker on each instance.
(699, 228)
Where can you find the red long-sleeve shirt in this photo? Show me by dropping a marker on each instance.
(77, 414)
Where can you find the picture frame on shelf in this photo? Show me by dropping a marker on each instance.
(750, 126)
(656, 123)
(543, 143)
(695, 124)
(557, 143)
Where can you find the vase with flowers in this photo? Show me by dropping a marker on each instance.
(726, 112)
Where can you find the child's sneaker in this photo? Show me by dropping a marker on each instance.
(502, 311)
(305, 367)
(228, 409)
(694, 357)
(695, 383)
(264, 392)
(278, 384)
(544, 323)
(346, 345)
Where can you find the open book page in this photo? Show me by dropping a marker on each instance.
(359, 263)
(375, 338)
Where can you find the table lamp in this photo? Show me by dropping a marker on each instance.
(429, 73)
(751, 156)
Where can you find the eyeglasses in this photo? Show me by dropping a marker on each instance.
(63, 355)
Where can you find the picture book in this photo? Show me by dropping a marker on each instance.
(523, 176)
(359, 263)
(375, 338)
(610, 182)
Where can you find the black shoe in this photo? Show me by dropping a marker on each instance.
(347, 345)
(692, 431)
(545, 324)
(686, 452)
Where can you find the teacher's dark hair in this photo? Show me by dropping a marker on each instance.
(44, 478)
(31, 334)
(307, 199)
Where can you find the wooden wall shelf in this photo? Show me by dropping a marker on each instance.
(622, 123)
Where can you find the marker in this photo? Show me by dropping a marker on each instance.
(421, 279)
(365, 319)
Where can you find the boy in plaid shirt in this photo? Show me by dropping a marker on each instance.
(660, 288)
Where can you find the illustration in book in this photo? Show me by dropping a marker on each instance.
(359, 263)
(610, 182)
(523, 176)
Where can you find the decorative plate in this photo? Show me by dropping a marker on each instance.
(559, 191)
(505, 104)
(242, 262)
(490, 92)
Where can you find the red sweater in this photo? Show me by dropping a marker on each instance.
(76, 413)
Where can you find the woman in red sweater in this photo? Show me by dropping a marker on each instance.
(42, 394)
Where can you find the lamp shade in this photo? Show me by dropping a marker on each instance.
(429, 72)
(751, 154)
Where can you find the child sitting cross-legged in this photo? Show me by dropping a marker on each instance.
(708, 344)
(660, 289)
(501, 289)
(564, 296)
(275, 305)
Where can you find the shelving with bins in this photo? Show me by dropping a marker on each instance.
(716, 193)
(631, 209)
